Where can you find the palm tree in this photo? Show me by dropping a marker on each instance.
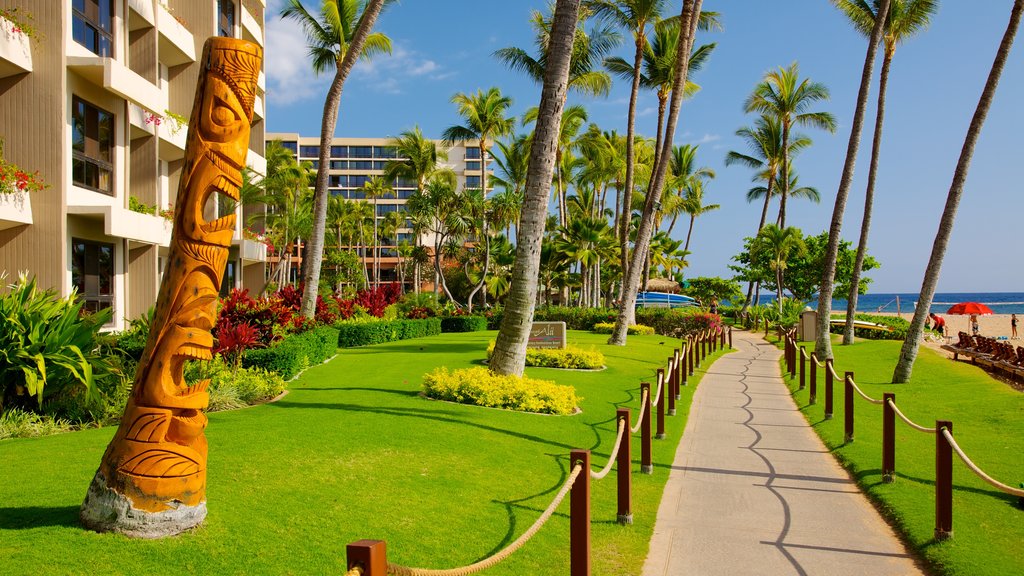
(908, 353)
(512, 166)
(906, 18)
(419, 160)
(632, 273)
(780, 244)
(783, 95)
(288, 218)
(389, 226)
(375, 188)
(335, 40)
(823, 343)
(440, 208)
(688, 180)
(573, 118)
(585, 76)
(510, 347)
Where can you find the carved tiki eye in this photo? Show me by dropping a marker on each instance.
(223, 114)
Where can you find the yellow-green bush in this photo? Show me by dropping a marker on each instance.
(478, 386)
(571, 357)
(607, 327)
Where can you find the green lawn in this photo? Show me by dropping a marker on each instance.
(988, 423)
(353, 452)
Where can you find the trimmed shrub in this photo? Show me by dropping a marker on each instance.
(608, 327)
(479, 387)
(463, 324)
(232, 388)
(353, 333)
(576, 318)
(899, 327)
(571, 357)
(677, 322)
(294, 353)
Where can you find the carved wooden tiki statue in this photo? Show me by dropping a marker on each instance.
(152, 480)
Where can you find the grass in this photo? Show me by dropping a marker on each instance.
(354, 452)
(988, 423)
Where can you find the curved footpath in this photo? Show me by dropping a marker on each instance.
(754, 491)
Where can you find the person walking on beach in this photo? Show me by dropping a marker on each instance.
(1013, 326)
(974, 324)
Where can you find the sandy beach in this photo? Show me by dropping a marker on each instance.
(991, 326)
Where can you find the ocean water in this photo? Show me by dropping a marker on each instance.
(999, 302)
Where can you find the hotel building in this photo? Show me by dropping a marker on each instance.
(95, 103)
(354, 161)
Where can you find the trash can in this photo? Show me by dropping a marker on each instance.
(807, 329)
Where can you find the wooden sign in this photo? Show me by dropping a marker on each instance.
(547, 335)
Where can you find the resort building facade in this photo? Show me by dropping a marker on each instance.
(354, 161)
(97, 102)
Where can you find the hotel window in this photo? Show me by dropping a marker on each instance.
(230, 278)
(92, 25)
(386, 152)
(361, 164)
(474, 165)
(472, 153)
(226, 18)
(339, 164)
(309, 151)
(339, 151)
(92, 145)
(293, 146)
(92, 273)
(360, 152)
(472, 181)
(404, 194)
(358, 181)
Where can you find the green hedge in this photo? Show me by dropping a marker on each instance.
(899, 327)
(674, 322)
(294, 353)
(576, 318)
(361, 333)
(463, 324)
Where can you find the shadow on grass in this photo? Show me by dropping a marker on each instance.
(444, 348)
(38, 517)
(511, 505)
(417, 413)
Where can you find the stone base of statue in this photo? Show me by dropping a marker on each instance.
(104, 510)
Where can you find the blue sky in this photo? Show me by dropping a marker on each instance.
(442, 47)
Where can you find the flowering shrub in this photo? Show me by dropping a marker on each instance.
(608, 327)
(22, 22)
(375, 301)
(234, 339)
(478, 386)
(262, 314)
(15, 180)
(419, 313)
(570, 357)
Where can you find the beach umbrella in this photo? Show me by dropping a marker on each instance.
(969, 308)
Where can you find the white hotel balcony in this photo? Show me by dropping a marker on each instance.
(123, 223)
(15, 210)
(15, 50)
(121, 80)
(177, 46)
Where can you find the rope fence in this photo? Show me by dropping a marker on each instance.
(369, 557)
(945, 444)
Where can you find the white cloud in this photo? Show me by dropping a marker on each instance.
(290, 76)
(646, 111)
(388, 73)
(706, 138)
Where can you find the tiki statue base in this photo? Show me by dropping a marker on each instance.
(104, 510)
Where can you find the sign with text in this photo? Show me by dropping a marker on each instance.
(547, 335)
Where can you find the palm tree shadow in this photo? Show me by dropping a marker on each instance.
(38, 517)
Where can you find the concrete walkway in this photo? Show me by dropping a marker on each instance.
(754, 491)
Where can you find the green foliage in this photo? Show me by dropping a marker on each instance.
(478, 386)
(608, 327)
(899, 327)
(17, 423)
(136, 205)
(463, 324)
(358, 332)
(232, 388)
(677, 322)
(294, 353)
(340, 268)
(575, 318)
(707, 289)
(48, 347)
(571, 357)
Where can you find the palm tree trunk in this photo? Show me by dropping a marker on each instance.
(778, 289)
(764, 216)
(630, 152)
(908, 353)
(823, 344)
(662, 102)
(869, 200)
(781, 221)
(510, 347)
(376, 247)
(627, 313)
(686, 246)
(315, 247)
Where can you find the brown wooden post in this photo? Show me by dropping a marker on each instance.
(661, 404)
(671, 383)
(943, 482)
(721, 338)
(792, 358)
(828, 389)
(370, 555)
(803, 368)
(579, 516)
(691, 351)
(682, 367)
(848, 407)
(730, 337)
(888, 438)
(624, 470)
(814, 380)
(646, 465)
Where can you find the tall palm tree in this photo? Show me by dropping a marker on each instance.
(418, 159)
(906, 18)
(688, 180)
(510, 347)
(288, 218)
(374, 188)
(783, 95)
(512, 165)
(340, 35)
(823, 342)
(689, 16)
(780, 244)
(908, 353)
(389, 226)
(573, 119)
(693, 204)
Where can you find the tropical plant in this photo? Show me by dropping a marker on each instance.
(905, 18)
(288, 217)
(780, 244)
(340, 35)
(707, 289)
(374, 188)
(908, 354)
(510, 347)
